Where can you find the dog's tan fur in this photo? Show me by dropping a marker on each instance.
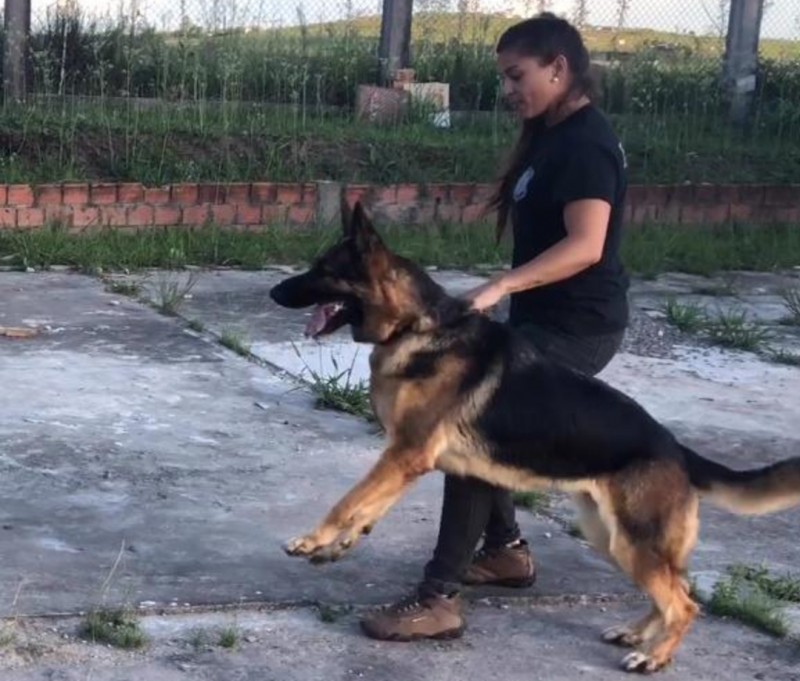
(641, 514)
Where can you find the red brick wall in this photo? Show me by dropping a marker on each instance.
(249, 205)
(87, 206)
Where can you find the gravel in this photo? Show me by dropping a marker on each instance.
(651, 336)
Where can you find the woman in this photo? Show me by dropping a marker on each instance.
(564, 191)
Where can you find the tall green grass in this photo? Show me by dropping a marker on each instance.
(646, 251)
(321, 65)
(126, 102)
(238, 141)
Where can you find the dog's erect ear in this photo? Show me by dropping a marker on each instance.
(361, 229)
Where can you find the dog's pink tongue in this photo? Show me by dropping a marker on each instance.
(318, 320)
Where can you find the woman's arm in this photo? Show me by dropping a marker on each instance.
(586, 223)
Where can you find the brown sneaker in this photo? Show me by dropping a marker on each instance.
(417, 617)
(505, 566)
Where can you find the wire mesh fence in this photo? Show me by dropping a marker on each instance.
(260, 49)
(276, 80)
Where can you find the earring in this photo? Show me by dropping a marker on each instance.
(554, 79)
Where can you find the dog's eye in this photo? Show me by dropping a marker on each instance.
(325, 270)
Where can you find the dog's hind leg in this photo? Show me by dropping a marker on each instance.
(596, 532)
(657, 567)
(632, 635)
(593, 528)
(676, 612)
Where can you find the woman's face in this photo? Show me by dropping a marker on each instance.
(530, 87)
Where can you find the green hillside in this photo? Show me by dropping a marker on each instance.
(484, 29)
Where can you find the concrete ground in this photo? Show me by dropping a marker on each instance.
(143, 464)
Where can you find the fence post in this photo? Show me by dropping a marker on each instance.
(17, 21)
(741, 56)
(395, 43)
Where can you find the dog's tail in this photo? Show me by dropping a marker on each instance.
(751, 492)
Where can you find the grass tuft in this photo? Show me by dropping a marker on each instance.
(533, 501)
(118, 628)
(785, 357)
(332, 613)
(688, 317)
(731, 329)
(753, 596)
(124, 288)
(228, 637)
(235, 340)
(791, 298)
(171, 292)
(784, 588)
(339, 391)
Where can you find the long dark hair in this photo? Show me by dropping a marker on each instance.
(545, 37)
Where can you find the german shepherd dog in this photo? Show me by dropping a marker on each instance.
(460, 393)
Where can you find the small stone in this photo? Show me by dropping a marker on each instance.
(548, 535)
(29, 270)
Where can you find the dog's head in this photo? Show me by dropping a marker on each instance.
(360, 282)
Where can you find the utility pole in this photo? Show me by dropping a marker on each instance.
(395, 44)
(741, 56)
(17, 22)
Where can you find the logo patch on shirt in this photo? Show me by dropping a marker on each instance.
(624, 156)
(521, 187)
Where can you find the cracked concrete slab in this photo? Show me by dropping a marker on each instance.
(143, 463)
(126, 435)
(512, 642)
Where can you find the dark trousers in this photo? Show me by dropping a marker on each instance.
(471, 507)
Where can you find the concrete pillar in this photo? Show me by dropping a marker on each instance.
(17, 21)
(741, 56)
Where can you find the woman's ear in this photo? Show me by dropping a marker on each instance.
(560, 68)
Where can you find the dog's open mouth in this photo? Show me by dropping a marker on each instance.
(328, 317)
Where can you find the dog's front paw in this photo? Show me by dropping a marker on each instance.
(301, 546)
(318, 551)
(622, 636)
(642, 663)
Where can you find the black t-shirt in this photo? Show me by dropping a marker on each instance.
(578, 158)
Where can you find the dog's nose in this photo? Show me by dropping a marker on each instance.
(277, 293)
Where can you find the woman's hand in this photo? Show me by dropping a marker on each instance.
(487, 295)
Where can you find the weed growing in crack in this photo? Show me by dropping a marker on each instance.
(687, 317)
